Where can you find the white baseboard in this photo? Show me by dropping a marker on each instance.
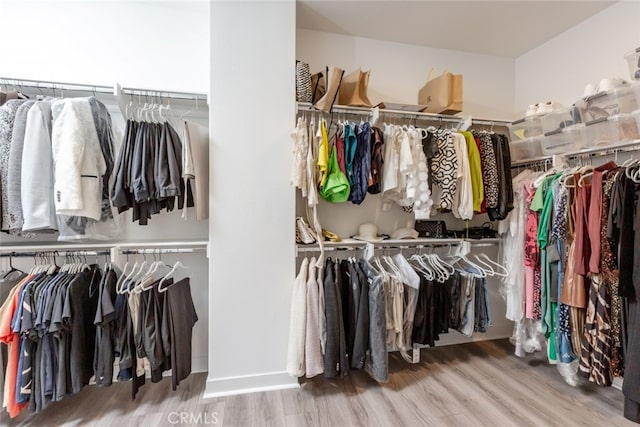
(217, 387)
(199, 364)
(617, 383)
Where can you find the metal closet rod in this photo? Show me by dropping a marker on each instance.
(355, 247)
(45, 84)
(150, 251)
(52, 253)
(359, 111)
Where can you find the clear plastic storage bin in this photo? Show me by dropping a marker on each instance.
(524, 149)
(525, 128)
(612, 130)
(633, 60)
(620, 100)
(560, 118)
(625, 127)
(561, 141)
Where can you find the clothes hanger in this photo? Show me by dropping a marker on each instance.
(489, 269)
(189, 111)
(417, 262)
(481, 271)
(503, 270)
(177, 265)
(11, 267)
(445, 271)
(128, 279)
(120, 281)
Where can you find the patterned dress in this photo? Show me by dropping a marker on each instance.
(444, 168)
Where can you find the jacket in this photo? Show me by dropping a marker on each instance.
(77, 156)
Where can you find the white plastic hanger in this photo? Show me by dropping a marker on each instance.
(189, 111)
(418, 263)
(488, 268)
(503, 271)
(177, 265)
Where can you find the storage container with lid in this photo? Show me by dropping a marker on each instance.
(560, 118)
(636, 116)
(561, 141)
(524, 149)
(633, 60)
(525, 128)
(611, 130)
(619, 100)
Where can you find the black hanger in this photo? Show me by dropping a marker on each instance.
(11, 267)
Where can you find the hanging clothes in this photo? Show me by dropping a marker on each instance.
(148, 172)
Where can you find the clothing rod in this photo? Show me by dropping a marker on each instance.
(360, 111)
(163, 251)
(53, 253)
(45, 84)
(105, 245)
(417, 245)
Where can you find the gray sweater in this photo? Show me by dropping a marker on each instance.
(14, 181)
(7, 116)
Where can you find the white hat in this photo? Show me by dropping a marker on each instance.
(369, 233)
(404, 233)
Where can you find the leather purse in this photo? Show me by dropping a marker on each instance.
(431, 229)
(353, 90)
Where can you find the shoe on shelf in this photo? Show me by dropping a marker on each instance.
(532, 110)
(548, 107)
(589, 90)
(609, 83)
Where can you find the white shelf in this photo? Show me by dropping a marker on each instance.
(306, 106)
(593, 151)
(145, 244)
(396, 243)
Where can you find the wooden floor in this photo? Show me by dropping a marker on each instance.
(479, 384)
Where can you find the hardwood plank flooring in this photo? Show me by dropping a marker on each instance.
(477, 384)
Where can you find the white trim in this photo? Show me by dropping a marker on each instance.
(229, 386)
(617, 383)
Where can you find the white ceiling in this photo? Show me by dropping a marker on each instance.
(503, 28)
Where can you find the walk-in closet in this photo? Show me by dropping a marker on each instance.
(301, 212)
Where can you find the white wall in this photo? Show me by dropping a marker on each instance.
(252, 263)
(398, 70)
(144, 44)
(594, 49)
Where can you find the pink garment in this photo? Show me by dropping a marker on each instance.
(340, 153)
(531, 250)
(528, 292)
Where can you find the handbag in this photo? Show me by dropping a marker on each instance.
(304, 233)
(353, 90)
(333, 80)
(303, 82)
(318, 87)
(431, 229)
(442, 94)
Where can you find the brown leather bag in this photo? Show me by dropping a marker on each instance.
(353, 90)
(333, 79)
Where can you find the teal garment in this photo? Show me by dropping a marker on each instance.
(544, 225)
(552, 348)
(350, 146)
(546, 214)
